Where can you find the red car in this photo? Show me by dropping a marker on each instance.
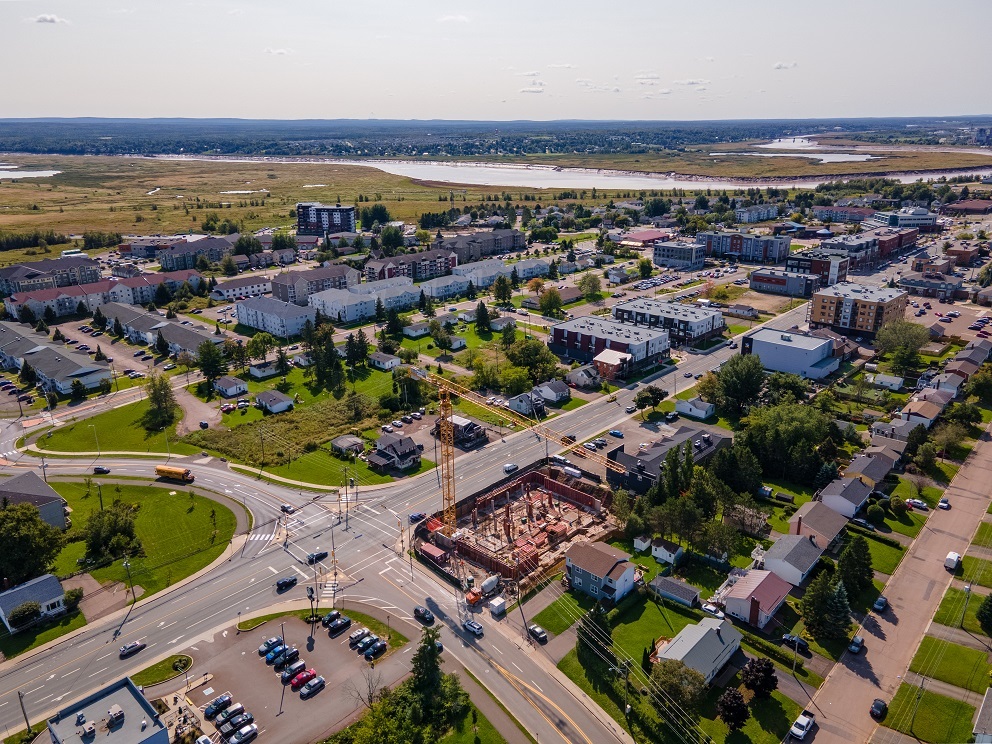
(303, 677)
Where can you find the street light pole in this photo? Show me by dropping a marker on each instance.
(97, 438)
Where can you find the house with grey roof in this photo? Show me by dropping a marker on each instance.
(554, 391)
(417, 330)
(817, 520)
(706, 646)
(982, 729)
(599, 570)
(896, 429)
(45, 590)
(498, 324)
(382, 361)
(272, 401)
(395, 451)
(792, 557)
(29, 488)
(672, 589)
(230, 387)
(348, 444)
(845, 496)
(872, 469)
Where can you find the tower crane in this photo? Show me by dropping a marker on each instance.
(446, 434)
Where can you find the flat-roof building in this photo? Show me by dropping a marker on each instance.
(856, 308)
(678, 255)
(686, 324)
(788, 283)
(830, 266)
(745, 246)
(586, 337)
(314, 218)
(116, 714)
(798, 354)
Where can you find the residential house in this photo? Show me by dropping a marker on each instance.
(498, 324)
(871, 469)
(982, 345)
(696, 408)
(272, 401)
(817, 520)
(467, 316)
(889, 382)
(528, 404)
(45, 590)
(458, 342)
(230, 387)
(846, 496)
(792, 557)
(949, 383)
(585, 376)
(554, 391)
(29, 488)
(962, 368)
(278, 318)
(395, 451)
(644, 467)
(674, 590)
(897, 429)
(263, 370)
(666, 551)
(755, 597)
(348, 444)
(921, 412)
(706, 646)
(599, 570)
(384, 362)
(417, 330)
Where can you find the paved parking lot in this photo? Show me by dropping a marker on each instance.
(936, 311)
(280, 713)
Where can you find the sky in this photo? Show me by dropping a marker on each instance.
(440, 59)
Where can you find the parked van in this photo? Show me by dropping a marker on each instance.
(952, 561)
(574, 472)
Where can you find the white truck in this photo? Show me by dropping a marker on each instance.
(952, 561)
(803, 725)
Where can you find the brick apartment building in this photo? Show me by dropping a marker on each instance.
(746, 247)
(297, 286)
(418, 266)
(830, 266)
(49, 274)
(856, 308)
(479, 245)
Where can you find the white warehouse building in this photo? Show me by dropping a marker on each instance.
(796, 353)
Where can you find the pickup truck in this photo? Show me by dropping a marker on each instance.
(803, 725)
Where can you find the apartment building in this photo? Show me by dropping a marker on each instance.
(281, 319)
(48, 274)
(586, 337)
(788, 283)
(678, 255)
(478, 245)
(483, 273)
(147, 247)
(143, 327)
(297, 286)
(747, 247)
(243, 286)
(757, 213)
(856, 308)
(686, 324)
(141, 289)
(830, 266)
(418, 266)
(314, 218)
(185, 255)
(342, 305)
(843, 214)
(56, 364)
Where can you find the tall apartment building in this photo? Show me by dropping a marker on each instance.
(746, 247)
(677, 255)
(314, 218)
(843, 214)
(297, 286)
(757, 213)
(184, 255)
(685, 324)
(586, 337)
(830, 266)
(418, 266)
(48, 274)
(856, 308)
(476, 246)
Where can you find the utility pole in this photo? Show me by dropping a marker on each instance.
(334, 568)
(44, 468)
(354, 489)
(261, 462)
(20, 698)
(96, 438)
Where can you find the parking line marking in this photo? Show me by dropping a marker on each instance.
(100, 672)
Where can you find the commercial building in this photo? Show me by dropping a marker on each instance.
(314, 218)
(968, 206)
(48, 274)
(585, 337)
(795, 353)
(862, 248)
(856, 308)
(116, 714)
(185, 255)
(746, 247)
(297, 286)
(933, 284)
(686, 324)
(830, 266)
(757, 213)
(243, 286)
(478, 245)
(918, 217)
(418, 266)
(281, 319)
(788, 283)
(677, 255)
(56, 365)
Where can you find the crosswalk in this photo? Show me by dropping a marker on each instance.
(256, 536)
(9, 455)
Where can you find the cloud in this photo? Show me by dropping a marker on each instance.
(647, 76)
(529, 73)
(709, 59)
(701, 88)
(561, 66)
(47, 18)
(277, 52)
(692, 81)
(784, 65)
(660, 93)
(453, 19)
(533, 89)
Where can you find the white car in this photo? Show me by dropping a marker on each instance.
(472, 627)
(918, 504)
(510, 467)
(714, 610)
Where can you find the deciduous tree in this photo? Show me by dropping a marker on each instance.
(29, 544)
(732, 709)
(758, 675)
(681, 687)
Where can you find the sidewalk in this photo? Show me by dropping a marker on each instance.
(945, 689)
(961, 637)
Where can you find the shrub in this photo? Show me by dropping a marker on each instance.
(24, 613)
(898, 506)
(875, 514)
(72, 598)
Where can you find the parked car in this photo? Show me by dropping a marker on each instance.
(330, 617)
(397, 424)
(216, 706)
(234, 724)
(287, 582)
(131, 649)
(286, 658)
(918, 504)
(714, 610)
(538, 633)
(857, 643)
(376, 650)
(357, 636)
(339, 626)
(386, 428)
(312, 687)
(423, 614)
(880, 604)
(944, 504)
(292, 670)
(878, 708)
(231, 713)
(616, 433)
(270, 644)
(302, 678)
(795, 642)
(863, 524)
(248, 733)
(366, 642)
(589, 446)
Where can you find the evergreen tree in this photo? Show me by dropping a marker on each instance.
(81, 308)
(78, 390)
(49, 315)
(42, 327)
(380, 310)
(429, 308)
(118, 328)
(282, 362)
(502, 291)
(514, 278)
(470, 291)
(854, 565)
(362, 344)
(422, 302)
(482, 320)
(161, 345)
(508, 336)
(813, 605)
(162, 295)
(984, 614)
(827, 473)
(837, 613)
(26, 315)
(99, 356)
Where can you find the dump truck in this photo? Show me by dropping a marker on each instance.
(473, 597)
(173, 473)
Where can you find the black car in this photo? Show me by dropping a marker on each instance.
(423, 614)
(132, 648)
(367, 642)
(100, 470)
(339, 626)
(287, 582)
(795, 641)
(233, 724)
(878, 708)
(312, 687)
(375, 650)
(216, 706)
(316, 557)
(292, 670)
(330, 617)
(286, 658)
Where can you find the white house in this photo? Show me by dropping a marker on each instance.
(921, 412)
(889, 382)
(553, 391)
(230, 387)
(273, 401)
(45, 590)
(695, 408)
(344, 306)
(756, 597)
(706, 646)
(384, 362)
(585, 376)
(498, 324)
(982, 730)
(263, 370)
(665, 551)
(526, 403)
(949, 383)
(458, 342)
(845, 496)
(792, 557)
(417, 330)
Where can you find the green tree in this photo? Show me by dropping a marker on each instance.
(99, 356)
(926, 456)
(758, 675)
(645, 267)
(967, 414)
(110, 533)
(162, 295)
(916, 438)
(29, 544)
(118, 328)
(980, 384)
(785, 387)
(425, 668)
(741, 380)
(837, 613)
(550, 302)
(78, 390)
(391, 239)
(620, 507)
(813, 605)
(247, 245)
(49, 314)
(514, 278)
(26, 315)
(514, 380)
(483, 323)
(202, 264)
(854, 565)
(27, 375)
(228, 265)
(282, 362)
(594, 635)
(984, 614)
(260, 345)
(25, 614)
(738, 468)
(785, 439)
(589, 285)
(732, 709)
(642, 400)
(470, 291)
(212, 362)
(903, 340)
(380, 311)
(875, 514)
(440, 335)
(534, 356)
(161, 403)
(502, 290)
(508, 336)
(681, 687)
(161, 345)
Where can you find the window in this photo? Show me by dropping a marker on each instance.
(593, 589)
(578, 582)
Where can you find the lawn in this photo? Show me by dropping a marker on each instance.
(179, 535)
(904, 490)
(11, 645)
(952, 663)
(791, 622)
(641, 621)
(321, 467)
(929, 717)
(481, 732)
(884, 557)
(395, 638)
(951, 606)
(561, 614)
(983, 537)
(645, 560)
(160, 672)
(800, 493)
(119, 429)
(571, 404)
(976, 571)
(707, 578)
(769, 722)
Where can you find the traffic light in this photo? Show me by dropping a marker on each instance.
(310, 593)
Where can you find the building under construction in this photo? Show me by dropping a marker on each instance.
(518, 530)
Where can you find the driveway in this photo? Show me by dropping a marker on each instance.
(914, 592)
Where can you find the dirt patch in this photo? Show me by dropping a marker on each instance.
(99, 601)
(768, 303)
